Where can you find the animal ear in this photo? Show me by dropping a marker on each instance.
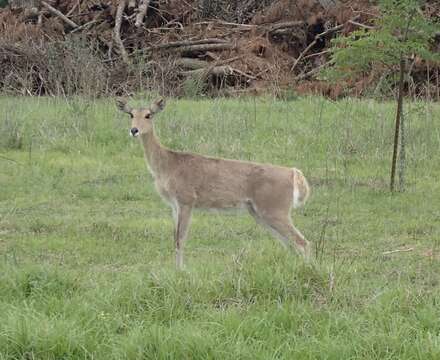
(122, 105)
(157, 105)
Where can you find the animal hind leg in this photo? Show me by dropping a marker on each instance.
(290, 235)
(282, 226)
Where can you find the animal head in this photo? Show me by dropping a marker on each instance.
(141, 118)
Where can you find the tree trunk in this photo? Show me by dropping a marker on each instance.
(398, 117)
(402, 154)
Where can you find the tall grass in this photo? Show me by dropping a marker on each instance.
(86, 253)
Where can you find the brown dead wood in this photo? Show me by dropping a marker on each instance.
(203, 47)
(284, 26)
(117, 31)
(223, 70)
(186, 43)
(353, 22)
(312, 72)
(142, 11)
(192, 64)
(315, 40)
(59, 14)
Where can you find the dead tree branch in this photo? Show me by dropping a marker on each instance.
(282, 28)
(317, 37)
(176, 44)
(212, 70)
(361, 25)
(59, 14)
(142, 11)
(192, 64)
(117, 31)
(311, 72)
(204, 47)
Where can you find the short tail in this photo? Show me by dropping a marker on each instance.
(301, 189)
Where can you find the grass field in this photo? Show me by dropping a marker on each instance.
(86, 252)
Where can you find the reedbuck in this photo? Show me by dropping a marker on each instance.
(186, 181)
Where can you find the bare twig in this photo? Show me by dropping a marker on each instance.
(317, 37)
(397, 251)
(175, 44)
(117, 30)
(284, 25)
(360, 25)
(204, 47)
(311, 72)
(83, 26)
(212, 70)
(317, 54)
(40, 19)
(59, 14)
(219, 22)
(142, 11)
(193, 64)
(73, 8)
(241, 73)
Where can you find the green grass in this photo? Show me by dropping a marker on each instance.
(86, 251)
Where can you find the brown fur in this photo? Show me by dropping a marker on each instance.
(188, 181)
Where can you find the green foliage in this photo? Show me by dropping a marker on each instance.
(400, 30)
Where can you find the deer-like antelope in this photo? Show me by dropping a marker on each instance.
(187, 181)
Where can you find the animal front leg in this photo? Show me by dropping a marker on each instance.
(183, 217)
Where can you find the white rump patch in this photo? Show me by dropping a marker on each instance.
(296, 198)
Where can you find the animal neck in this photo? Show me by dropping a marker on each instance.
(155, 154)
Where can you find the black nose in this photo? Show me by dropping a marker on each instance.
(134, 131)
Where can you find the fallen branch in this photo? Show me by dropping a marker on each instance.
(117, 31)
(194, 64)
(73, 8)
(312, 72)
(317, 54)
(241, 73)
(189, 43)
(204, 47)
(219, 22)
(220, 70)
(315, 40)
(142, 11)
(282, 27)
(212, 70)
(397, 251)
(83, 26)
(59, 14)
(361, 25)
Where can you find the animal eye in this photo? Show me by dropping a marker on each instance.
(131, 115)
(147, 116)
